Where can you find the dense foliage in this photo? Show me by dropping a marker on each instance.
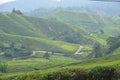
(98, 73)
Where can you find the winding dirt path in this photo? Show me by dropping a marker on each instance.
(78, 50)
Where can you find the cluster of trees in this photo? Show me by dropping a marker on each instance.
(14, 50)
(74, 37)
(98, 50)
(17, 11)
(46, 56)
(112, 44)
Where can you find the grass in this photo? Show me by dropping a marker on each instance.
(69, 48)
(87, 65)
(90, 22)
(37, 44)
(38, 63)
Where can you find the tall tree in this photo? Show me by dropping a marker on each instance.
(46, 56)
(113, 43)
(98, 50)
(3, 67)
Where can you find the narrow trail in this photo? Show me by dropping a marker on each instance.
(34, 52)
(78, 50)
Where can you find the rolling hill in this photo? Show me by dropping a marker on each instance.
(71, 27)
(31, 33)
(80, 69)
(60, 25)
(90, 22)
(60, 40)
(44, 28)
(59, 36)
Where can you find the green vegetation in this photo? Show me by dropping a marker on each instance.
(92, 23)
(70, 72)
(38, 62)
(64, 46)
(3, 67)
(29, 44)
(17, 11)
(23, 34)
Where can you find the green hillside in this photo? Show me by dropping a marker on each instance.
(93, 23)
(16, 24)
(63, 46)
(28, 32)
(72, 27)
(38, 27)
(36, 44)
(80, 69)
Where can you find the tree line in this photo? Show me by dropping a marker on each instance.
(112, 44)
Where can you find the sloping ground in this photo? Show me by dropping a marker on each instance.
(109, 60)
(38, 62)
(35, 43)
(79, 19)
(93, 23)
(113, 28)
(38, 27)
(58, 30)
(28, 32)
(16, 24)
(70, 31)
(78, 70)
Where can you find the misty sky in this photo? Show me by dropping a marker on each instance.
(5, 1)
(24, 5)
(28, 5)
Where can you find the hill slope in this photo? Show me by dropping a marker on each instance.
(18, 32)
(79, 69)
(90, 22)
(38, 27)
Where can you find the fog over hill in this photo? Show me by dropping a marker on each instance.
(89, 6)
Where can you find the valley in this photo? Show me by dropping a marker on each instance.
(61, 45)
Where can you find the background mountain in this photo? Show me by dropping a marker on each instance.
(101, 8)
(90, 22)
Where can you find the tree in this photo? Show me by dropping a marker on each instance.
(46, 55)
(13, 11)
(102, 31)
(103, 73)
(17, 11)
(98, 50)
(3, 67)
(113, 43)
(9, 53)
(2, 48)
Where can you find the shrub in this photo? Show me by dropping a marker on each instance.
(103, 73)
(71, 74)
(3, 67)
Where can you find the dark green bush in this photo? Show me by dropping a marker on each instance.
(103, 73)
(98, 73)
(3, 67)
(73, 74)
